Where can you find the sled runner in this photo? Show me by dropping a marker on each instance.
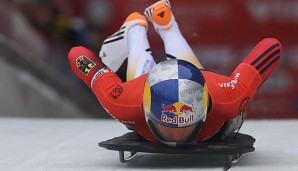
(232, 148)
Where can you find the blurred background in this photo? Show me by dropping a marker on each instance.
(36, 35)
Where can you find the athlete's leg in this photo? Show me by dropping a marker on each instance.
(129, 41)
(160, 14)
(140, 60)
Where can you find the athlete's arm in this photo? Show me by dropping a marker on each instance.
(254, 70)
(122, 100)
(228, 93)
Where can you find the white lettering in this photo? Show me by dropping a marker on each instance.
(231, 83)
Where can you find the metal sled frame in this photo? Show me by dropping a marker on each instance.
(233, 147)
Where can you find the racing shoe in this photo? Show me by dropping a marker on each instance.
(114, 49)
(160, 14)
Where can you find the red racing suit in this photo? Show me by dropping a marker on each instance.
(229, 95)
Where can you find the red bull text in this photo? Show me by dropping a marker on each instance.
(177, 119)
(177, 109)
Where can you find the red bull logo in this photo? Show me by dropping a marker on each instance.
(185, 108)
(177, 109)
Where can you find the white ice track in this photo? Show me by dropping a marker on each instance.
(51, 144)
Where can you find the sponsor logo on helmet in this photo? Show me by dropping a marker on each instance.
(84, 64)
(177, 108)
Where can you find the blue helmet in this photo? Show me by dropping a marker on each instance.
(175, 101)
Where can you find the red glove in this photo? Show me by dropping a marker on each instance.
(84, 63)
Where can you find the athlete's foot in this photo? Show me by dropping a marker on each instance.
(161, 16)
(115, 49)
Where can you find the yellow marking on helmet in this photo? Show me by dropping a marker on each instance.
(205, 97)
(147, 99)
(178, 106)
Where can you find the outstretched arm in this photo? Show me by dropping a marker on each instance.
(264, 57)
(121, 100)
